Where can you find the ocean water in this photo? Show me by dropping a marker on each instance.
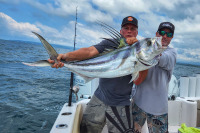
(31, 97)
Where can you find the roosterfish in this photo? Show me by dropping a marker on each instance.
(123, 60)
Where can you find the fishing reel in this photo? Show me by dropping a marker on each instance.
(75, 90)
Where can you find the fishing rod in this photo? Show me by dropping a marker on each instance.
(72, 74)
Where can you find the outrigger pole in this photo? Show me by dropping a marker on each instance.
(72, 74)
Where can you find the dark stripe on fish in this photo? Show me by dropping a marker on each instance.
(96, 63)
(126, 55)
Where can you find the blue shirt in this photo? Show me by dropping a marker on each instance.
(113, 91)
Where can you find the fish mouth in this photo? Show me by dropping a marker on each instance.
(143, 62)
(150, 62)
(154, 60)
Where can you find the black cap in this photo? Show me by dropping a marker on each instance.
(167, 25)
(130, 20)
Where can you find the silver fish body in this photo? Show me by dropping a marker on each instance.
(116, 63)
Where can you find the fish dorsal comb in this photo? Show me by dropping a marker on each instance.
(116, 37)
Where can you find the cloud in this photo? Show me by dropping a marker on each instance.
(190, 55)
(63, 8)
(182, 13)
(67, 8)
(86, 35)
(10, 27)
(121, 7)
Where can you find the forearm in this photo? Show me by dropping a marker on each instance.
(81, 54)
(168, 60)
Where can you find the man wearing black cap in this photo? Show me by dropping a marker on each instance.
(110, 102)
(168, 29)
(151, 97)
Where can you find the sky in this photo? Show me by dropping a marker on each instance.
(55, 21)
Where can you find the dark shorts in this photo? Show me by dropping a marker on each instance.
(93, 119)
(156, 123)
(97, 114)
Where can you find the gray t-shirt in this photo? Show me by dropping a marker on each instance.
(152, 94)
(113, 91)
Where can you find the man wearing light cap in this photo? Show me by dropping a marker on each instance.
(110, 102)
(151, 97)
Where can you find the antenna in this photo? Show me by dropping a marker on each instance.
(72, 74)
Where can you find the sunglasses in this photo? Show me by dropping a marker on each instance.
(162, 33)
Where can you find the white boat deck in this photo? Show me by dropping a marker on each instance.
(182, 110)
(73, 121)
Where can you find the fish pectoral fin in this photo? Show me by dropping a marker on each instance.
(87, 79)
(134, 76)
(41, 63)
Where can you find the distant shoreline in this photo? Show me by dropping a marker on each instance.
(195, 64)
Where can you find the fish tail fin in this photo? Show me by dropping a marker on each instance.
(134, 76)
(40, 63)
(87, 79)
(51, 51)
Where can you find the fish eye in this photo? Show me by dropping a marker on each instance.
(149, 43)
